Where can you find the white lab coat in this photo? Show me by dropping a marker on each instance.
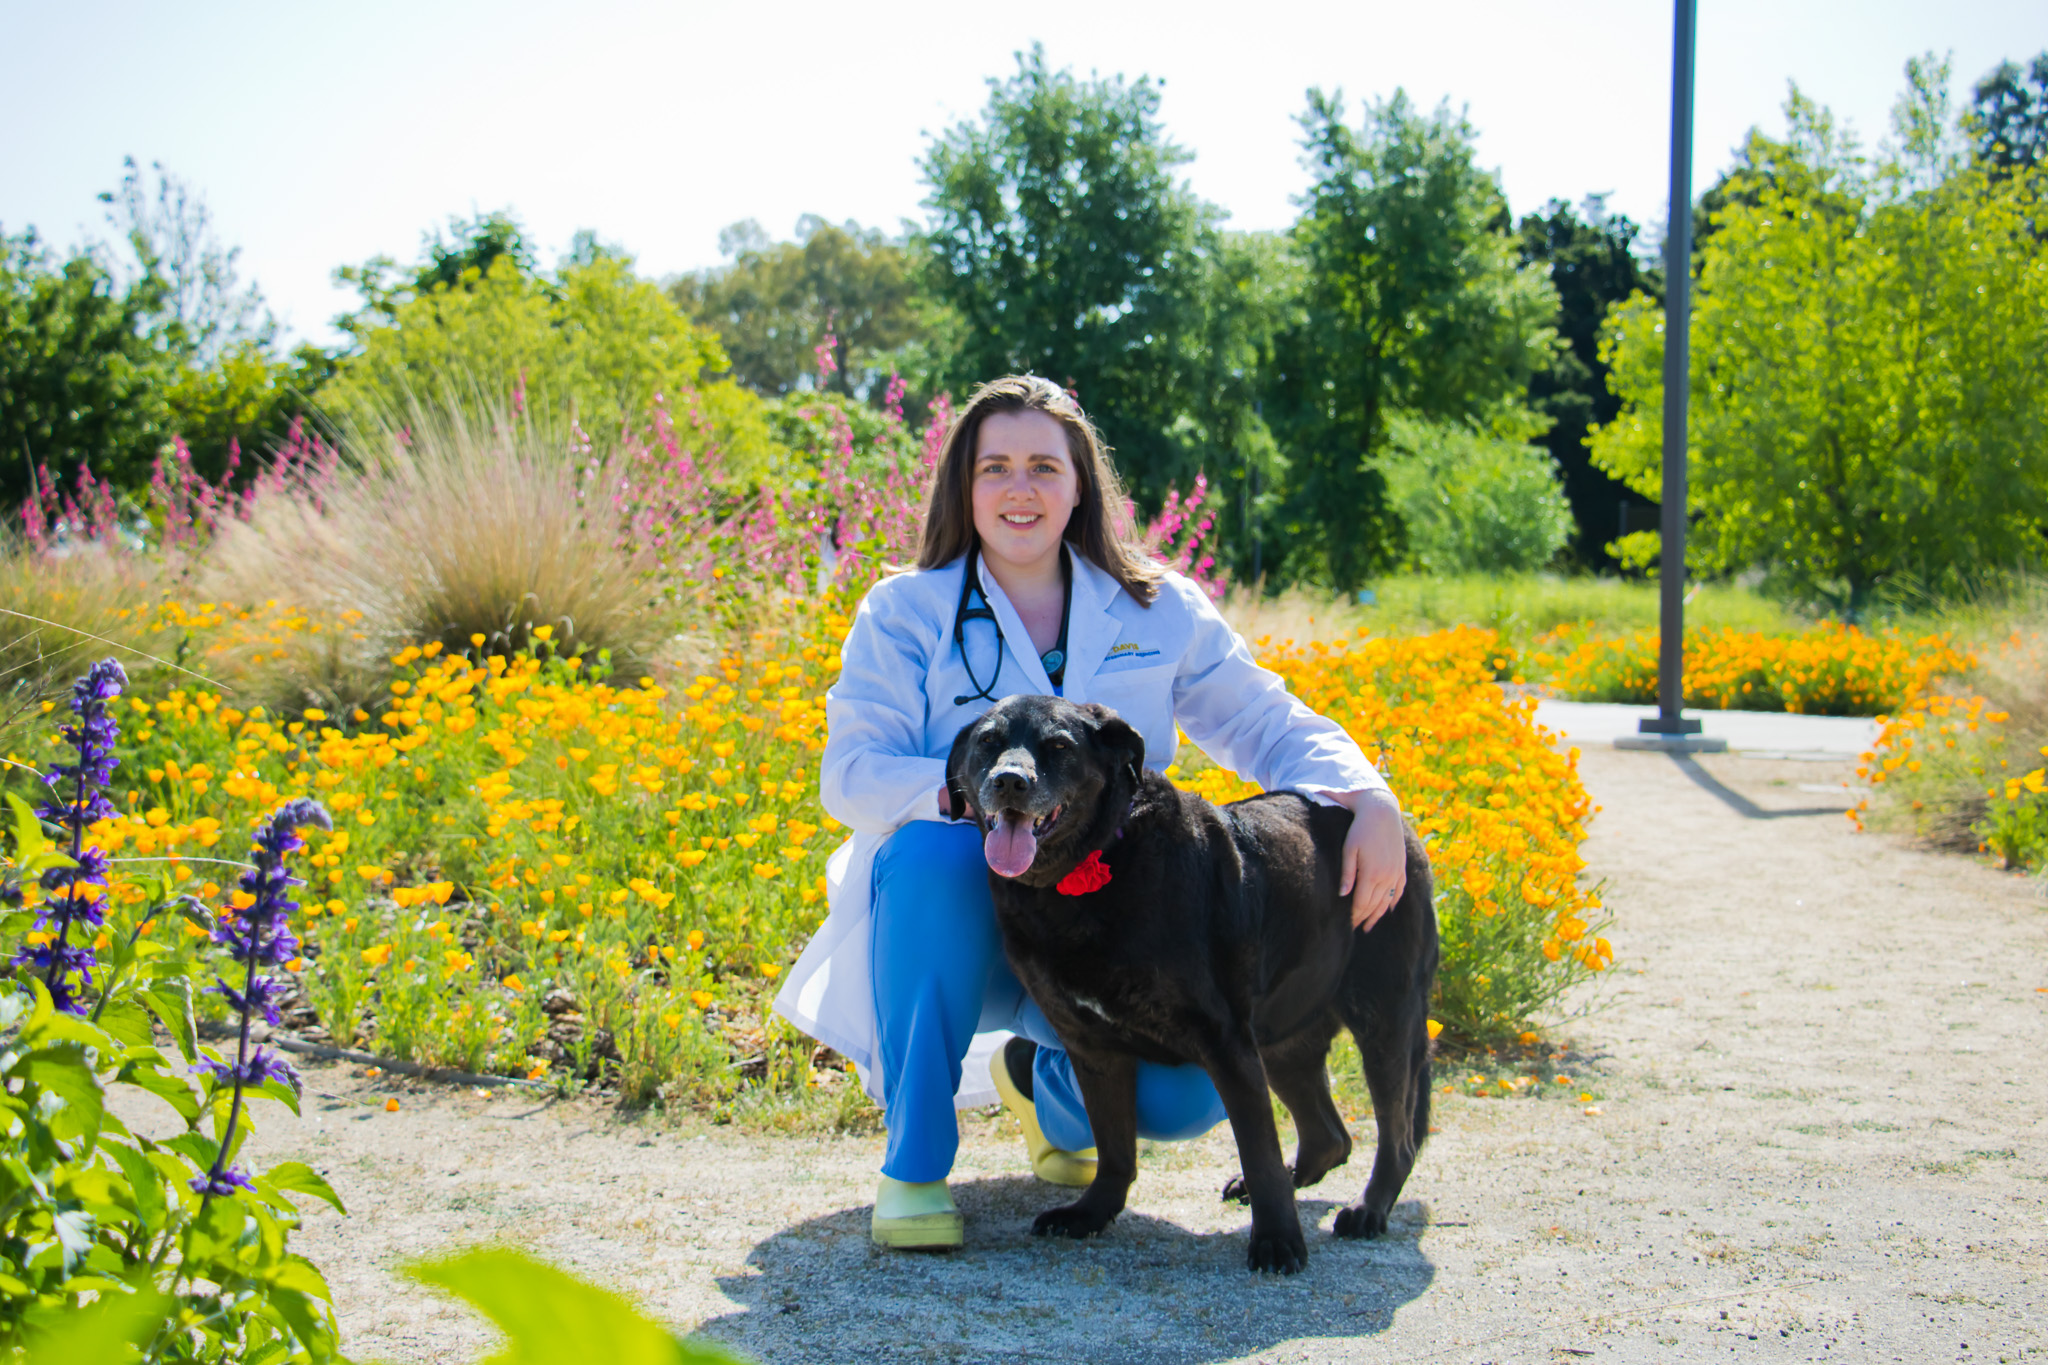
(892, 717)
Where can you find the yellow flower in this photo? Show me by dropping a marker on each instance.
(1434, 1030)
(701, 999)
(513, 983)
(377, 956)
(771, 970)
(543, 633)
(767, 871)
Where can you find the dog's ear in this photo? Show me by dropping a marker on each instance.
(1115, 736)
(956, 773)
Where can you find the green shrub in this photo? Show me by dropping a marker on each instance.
(1473, 501)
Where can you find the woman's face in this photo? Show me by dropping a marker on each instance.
(1025, 488)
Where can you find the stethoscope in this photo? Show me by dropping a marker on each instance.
(1054, 659)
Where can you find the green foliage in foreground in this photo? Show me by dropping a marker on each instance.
(93, 1212)
(549, 1316)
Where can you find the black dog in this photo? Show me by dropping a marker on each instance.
(1218, 938)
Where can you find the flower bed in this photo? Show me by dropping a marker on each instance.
(1832, 670)
(533, 870)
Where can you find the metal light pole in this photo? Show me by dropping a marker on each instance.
(1669, 729)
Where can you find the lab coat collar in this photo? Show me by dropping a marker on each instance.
(1091, 629)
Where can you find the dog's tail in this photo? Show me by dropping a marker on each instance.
(1420, 1108)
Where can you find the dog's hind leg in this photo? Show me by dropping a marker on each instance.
(1396, 1053)
(1109, 1090)
(1297, 1070)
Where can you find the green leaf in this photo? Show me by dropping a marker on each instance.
(171, 1002)
(286, 1095)
(108, 1329)
(33, 850)
(62, 1071)
(550, 1316)
(126, 1021)
(299, 1177)
(144, 1183)
(195, 1147)
(298, 1273)
(175, 1091)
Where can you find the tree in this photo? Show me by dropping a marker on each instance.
(201, 308)
(2009, 122)
(81, 382)
(1869, 406)
(1412, 300)
(1063, 244)
(1593, 266)
(1473, 500)
(777, 302)
(592, 339)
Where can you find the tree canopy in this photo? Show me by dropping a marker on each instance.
(1063, 242)
(1412, 300)
(1869, 407)
(777, 302)
(1591, 258)
(591, 339)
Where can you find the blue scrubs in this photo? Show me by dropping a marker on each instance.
(940, 978)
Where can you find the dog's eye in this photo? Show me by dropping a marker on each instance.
(1057, 743)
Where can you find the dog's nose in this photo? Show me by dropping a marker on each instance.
(1010, 781)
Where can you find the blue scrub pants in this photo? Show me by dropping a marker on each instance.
(940, 978)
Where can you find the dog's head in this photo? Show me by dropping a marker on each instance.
(1047, 779)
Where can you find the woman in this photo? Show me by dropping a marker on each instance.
(906, 976)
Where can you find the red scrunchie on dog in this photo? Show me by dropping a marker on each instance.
(1091, 875)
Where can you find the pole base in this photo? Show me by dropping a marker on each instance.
(1674, 744)
(1669, 725)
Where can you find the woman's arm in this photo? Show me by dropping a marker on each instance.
(1243, 715)
(874, 775)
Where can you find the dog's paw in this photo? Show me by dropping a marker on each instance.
(1235, 1191)
(1283, 1253)
(1358, 1221)
(1069, 1220)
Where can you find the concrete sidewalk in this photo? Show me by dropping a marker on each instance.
(1760, 734)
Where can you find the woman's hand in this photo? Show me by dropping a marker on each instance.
(1375, 855)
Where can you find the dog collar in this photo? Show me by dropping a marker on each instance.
(1091, 875)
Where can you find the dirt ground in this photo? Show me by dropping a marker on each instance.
(1822, 1133)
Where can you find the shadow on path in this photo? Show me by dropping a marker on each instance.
(1736, 801)
(1148, 1291)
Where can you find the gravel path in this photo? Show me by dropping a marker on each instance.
(1822, 1134)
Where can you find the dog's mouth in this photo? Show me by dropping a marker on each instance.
(1012, 841)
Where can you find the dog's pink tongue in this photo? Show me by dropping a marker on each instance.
(1011, 845)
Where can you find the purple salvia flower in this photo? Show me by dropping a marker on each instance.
(221, 1182)
(261, 997)
(259, 935)
(75, 894)
(261, 1065)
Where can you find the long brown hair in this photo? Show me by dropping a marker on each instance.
(1093, 529)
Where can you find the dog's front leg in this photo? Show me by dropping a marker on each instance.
(1109, 1090)
(1240, 1079)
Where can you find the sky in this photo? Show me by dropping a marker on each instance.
(321, 135)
